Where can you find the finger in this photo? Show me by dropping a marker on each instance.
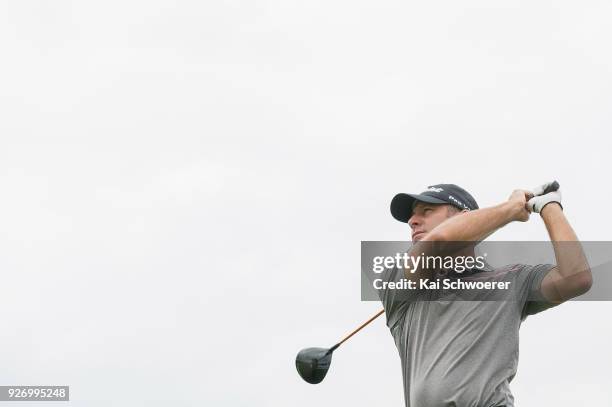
(531, 205)
(540, 189)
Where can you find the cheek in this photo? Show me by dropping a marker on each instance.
(434, 221)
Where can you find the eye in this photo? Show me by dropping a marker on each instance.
(427, 210)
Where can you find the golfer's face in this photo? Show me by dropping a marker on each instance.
(425, 217)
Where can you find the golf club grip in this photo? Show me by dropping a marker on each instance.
(379, 313)
(552, 187)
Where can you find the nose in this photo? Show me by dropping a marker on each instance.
(414, 221)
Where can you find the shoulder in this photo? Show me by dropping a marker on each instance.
(517, 270)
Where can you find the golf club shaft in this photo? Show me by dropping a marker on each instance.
(356, 330)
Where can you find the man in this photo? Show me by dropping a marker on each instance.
(465, 353)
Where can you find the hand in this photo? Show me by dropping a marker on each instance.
(545, 188)
(539, 201)
(518, 204)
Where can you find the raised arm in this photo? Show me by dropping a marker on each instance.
(467, 229)
(572, 275)
(475, 226)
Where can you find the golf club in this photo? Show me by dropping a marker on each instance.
(313, 363)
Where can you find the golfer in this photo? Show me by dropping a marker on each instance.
(465, 353)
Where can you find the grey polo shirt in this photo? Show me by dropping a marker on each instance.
(462, 353)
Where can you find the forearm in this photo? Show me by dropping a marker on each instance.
(475, 226)
(460, 232)
(465, 230)
(572, 265)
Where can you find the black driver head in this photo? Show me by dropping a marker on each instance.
(313, 363)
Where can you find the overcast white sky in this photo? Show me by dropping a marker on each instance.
(185, 185)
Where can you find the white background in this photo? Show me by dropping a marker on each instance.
(184, 185)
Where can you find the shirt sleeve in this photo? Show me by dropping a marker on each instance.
(530, 281)
(395, 301)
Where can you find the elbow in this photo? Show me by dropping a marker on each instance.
(440, 243)
(436, 236)
(584, 282)
(580, 283)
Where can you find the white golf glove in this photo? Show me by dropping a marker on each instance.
(542, 197)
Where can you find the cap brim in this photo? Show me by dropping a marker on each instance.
(401, 205)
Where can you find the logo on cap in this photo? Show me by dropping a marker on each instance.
(452, 198)
(434, 189)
